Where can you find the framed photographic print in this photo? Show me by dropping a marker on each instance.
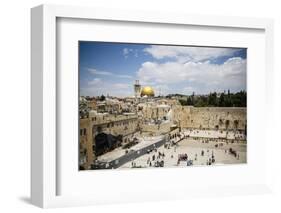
(190, 111)
(148, 105)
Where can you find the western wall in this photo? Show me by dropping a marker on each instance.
(217, 118)
(210, 117)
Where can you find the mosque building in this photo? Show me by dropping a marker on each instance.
(145, 91)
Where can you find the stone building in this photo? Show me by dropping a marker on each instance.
(125, 125)
(109, 106)
(92, 104)
(86, 154)
(116, 124)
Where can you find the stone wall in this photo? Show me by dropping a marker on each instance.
(157, 129)
(155, 111)
(125, 124)
(174, 133)
(181, 115)
(211, 117)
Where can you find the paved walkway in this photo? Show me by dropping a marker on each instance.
(132, 155)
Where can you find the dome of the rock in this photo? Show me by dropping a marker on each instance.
(147, 91)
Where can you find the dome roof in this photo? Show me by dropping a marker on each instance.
(147, 91)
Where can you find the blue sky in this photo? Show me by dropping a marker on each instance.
(111, 68)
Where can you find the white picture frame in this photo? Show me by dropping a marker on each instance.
(44, 153)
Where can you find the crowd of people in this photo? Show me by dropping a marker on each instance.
(158, 157)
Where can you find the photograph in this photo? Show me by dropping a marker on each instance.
(161, 105)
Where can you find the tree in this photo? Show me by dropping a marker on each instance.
(192, 98)
(102, 98)
(212, 99)
(183, 102)
(83, 109)
(201, 102)
(221, 100)
(228, 99)
(189, 101)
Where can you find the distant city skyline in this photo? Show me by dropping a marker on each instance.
(111, 69)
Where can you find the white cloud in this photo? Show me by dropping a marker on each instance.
(203, 76)
(188, 90)
(136, 54)
(184, 54)
(128, 51)
(98, 72)
(105, 73)
(95, 82)
(98, 87)
(183, 70)
(106, 85)
(160, 89)
(120, 86)
(123, 76)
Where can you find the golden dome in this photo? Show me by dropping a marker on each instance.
(148, 91)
